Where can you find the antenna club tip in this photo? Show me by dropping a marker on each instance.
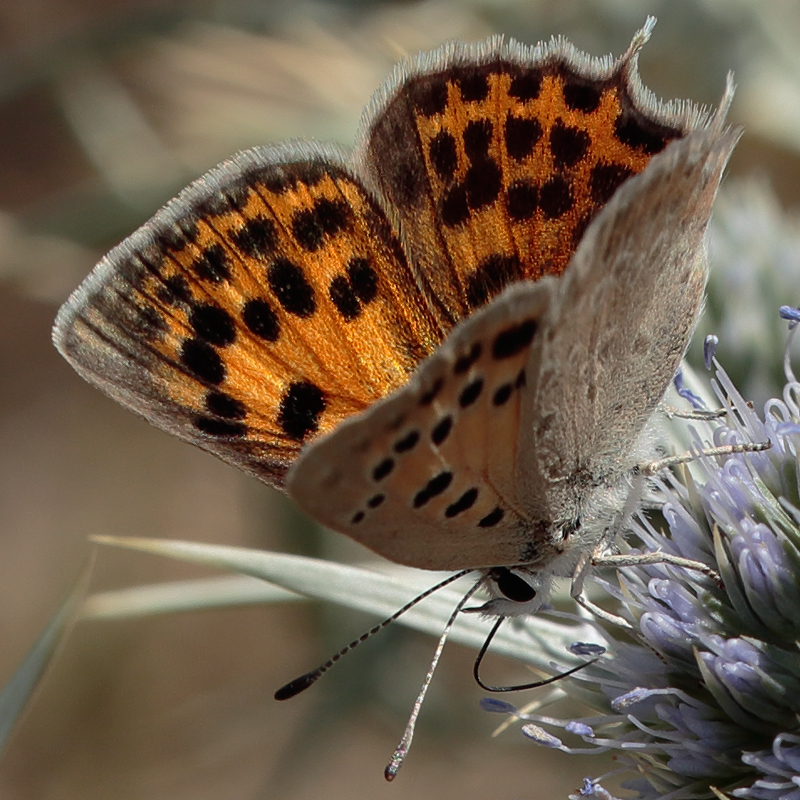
(393, 767)
(296, 686)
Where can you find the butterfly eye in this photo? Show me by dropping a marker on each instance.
(513, 587)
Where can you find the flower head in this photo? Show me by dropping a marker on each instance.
(699, 690)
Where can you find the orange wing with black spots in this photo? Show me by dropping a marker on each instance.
(265, 304)
(496, 157)
(292, 287)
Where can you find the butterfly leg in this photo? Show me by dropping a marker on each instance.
(601, 559)
(600, 556)
(592, 557)
(576, 592)
(655, 557)
(690, 455)
(672, 412)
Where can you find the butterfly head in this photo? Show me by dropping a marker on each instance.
(515, 591)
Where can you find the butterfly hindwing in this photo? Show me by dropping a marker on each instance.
(426, 476)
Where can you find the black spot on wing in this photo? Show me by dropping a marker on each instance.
(464, 363)
(567, 144)
(643, 135)
(434, 487)
(478, 138)
(442, 430)
(202, 361)
(258, 237)
(407, 442)
(492, 518)
(213, 324)
(555, 197)
(223, 405)
(444, 155)
(464, 503)
(261, 320)
(482, 183)
(470, 393)
(580, 96)
(363, 279)
(300, 409)
(522, 135)
(343, 298)
(350, 292)
(212, 265)
(324, 219)
(220, 428)
(474, 85)
(491, 277)
(523, 200)
(455, 208)
(513, 340)
(527, 86)
(502, 394)
(605, 179)
(292, 289)
(383, 469)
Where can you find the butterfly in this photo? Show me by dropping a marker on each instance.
(448, 343)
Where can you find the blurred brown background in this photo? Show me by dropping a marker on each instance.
(106, 110)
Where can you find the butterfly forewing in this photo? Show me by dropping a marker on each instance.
(426, 477)
(264, 305)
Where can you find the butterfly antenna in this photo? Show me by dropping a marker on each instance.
(519, 687)
(401, 751)
(304, 681)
